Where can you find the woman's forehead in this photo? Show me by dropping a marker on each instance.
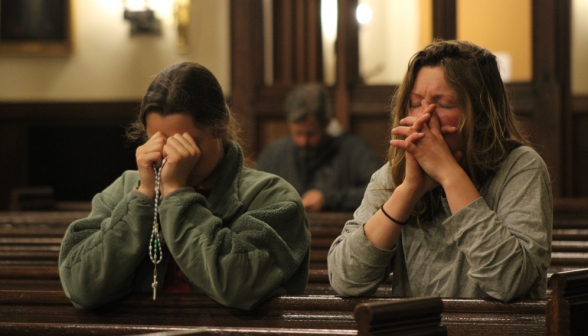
(171, 123)
(431, 80)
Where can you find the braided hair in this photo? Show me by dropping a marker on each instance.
(188, 88)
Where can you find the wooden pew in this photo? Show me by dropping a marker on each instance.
(318, 284)
(33, 239)
(50, 312)
(570, 234)
(56, 329)
(324, 228)
(47, 278)
(411, 317)
(29, 277)
(563, 313)
(43, 226)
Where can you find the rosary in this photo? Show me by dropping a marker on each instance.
(155, 241)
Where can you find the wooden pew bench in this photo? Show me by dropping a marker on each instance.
(50, 312)
(563, 313)
(47, 278)
(569, 236)
(569, 244)
(324, 228)
(318, 284)
(33, 239)
(29, 277)
(29, 237)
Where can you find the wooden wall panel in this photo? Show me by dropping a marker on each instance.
(544, 102)
(581, 155)
(374, 130)
(579, 135)
(14, 154)
(247, 65)
(78, 161)
(271, 129)
(76, 147)
(444, 19)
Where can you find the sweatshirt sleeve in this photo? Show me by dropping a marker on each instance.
(357, 267)
(100, 254)
(246, 261)
(508, 246)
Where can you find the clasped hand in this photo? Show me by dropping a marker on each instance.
(181, 153)
(429, 160)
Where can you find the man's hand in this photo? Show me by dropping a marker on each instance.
(313, 200)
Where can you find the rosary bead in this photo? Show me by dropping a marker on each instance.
(154, 247)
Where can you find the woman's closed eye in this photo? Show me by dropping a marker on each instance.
(447, 106)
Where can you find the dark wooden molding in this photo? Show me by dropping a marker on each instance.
(297, 40)
(314, 55)
(347, 65)
(64, 112)
(551, 49)
(247, 65)
(579, 105)
(283, 42)
(445, 19)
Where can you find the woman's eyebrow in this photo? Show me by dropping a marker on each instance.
(436, 97)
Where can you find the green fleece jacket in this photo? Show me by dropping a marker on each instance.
(248, 241)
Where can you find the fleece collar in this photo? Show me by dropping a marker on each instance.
(224, 198)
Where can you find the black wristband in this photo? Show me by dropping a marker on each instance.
(390, 217)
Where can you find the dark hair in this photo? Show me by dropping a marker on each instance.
(488, 130)
(188, 88)
(308, 100)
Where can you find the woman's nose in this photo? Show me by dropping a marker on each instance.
(419, 112)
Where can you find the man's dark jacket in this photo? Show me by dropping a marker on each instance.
(341, 169)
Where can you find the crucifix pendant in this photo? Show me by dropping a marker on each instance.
(154, 284)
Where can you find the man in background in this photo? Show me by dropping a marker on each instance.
(329, 169)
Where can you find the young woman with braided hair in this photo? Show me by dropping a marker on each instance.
(219, 228)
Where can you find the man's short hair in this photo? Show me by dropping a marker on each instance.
(308, 100)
